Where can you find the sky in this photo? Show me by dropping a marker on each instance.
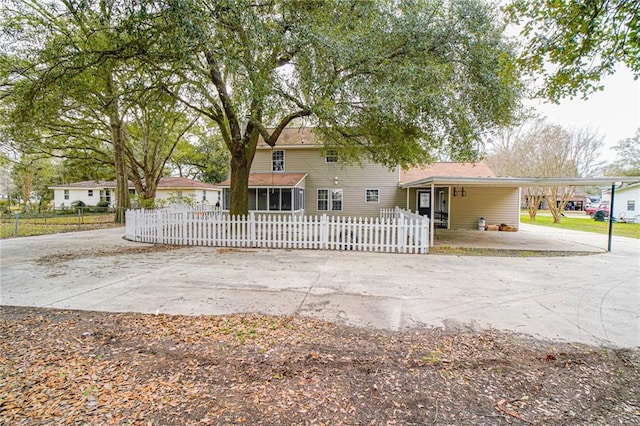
(614, 112)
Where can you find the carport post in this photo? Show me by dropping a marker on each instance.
(613, 193)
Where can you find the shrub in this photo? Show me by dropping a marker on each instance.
(102, 204)
(78, 203)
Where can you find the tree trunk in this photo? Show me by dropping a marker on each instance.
(534, 198)
(239, 192)
(117, 139)
(242, 154)
(557, 202)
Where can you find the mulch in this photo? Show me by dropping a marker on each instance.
(72, 367)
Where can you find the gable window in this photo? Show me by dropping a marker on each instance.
(66, 194)
(372, 195)
(631, 205)
(329, 199)
(90, 192)
(277, 161)
(331, 156)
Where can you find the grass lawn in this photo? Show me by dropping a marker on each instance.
(631, 230)
(31, 226)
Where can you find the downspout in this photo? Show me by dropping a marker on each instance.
(613, 192)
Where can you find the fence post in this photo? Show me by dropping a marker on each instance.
(324, 232)
(252, 229)
(15, 229)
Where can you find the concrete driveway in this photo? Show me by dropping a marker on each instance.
(586, 298)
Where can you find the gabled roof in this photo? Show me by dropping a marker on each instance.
(272, 180)
(293, 136)
(458, 170)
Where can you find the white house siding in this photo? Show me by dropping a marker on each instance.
(496, 205)
(352, 179)
(78, 194)
(626, 198)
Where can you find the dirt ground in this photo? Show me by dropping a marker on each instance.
(71, 367)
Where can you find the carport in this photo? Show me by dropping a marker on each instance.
(494, 198)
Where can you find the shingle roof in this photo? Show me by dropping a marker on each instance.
(170, 182)
(272, 179)
(89, 184)
(293, 136)
(478, 169)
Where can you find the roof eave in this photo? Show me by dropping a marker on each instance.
(519, 182)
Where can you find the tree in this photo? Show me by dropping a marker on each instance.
(204, 159)
(392, 82)
(627, 161)
(61, 78)
(31, 176)
(78, 90)
(541, 149)
(571, 45)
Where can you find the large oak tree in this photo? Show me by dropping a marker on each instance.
(388, 81)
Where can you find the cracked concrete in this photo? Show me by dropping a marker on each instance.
(592, 299)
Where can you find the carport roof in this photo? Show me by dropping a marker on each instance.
(518, 181)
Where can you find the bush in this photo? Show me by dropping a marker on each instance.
(102, 204)
(78, 203)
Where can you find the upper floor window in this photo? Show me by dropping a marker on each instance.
(372, 195)
(277, 161)
(90, 192)
(331, 156)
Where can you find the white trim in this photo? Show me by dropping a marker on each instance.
(273, 169)
(372, 202)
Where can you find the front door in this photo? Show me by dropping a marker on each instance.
(424, 203)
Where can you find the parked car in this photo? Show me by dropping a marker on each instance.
(592, 209)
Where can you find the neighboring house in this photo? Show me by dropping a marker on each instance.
(626, 201)
(296, 176)
(180, 187)
(93, 192)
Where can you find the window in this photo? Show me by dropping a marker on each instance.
(277, 160)
(66, 194)
(330, 199)
(631, 205)
(372, 195)
(105, 195)
(275, 199)
(331, 156)
(90, 192)
(204, 195)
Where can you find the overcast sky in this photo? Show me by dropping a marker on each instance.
(614, 112)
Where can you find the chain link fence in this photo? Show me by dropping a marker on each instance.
(31, 223)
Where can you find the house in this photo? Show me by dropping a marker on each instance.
(93, 192)
(626, 203)
(299, 176)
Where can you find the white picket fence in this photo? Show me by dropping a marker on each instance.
(214, 228)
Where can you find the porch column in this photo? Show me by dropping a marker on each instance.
(431, 227)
